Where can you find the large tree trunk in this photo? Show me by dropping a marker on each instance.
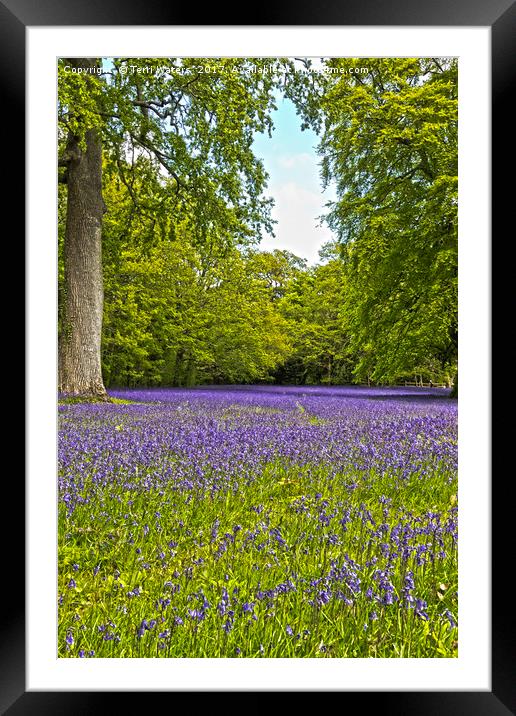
(80, 371)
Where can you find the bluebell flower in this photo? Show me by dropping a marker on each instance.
(450, 617)
(196, 614)
(419, 609)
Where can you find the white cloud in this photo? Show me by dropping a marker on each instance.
(293, 161)
(296, 211)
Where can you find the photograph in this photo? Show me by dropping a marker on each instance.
(257, 357)
(257, 258)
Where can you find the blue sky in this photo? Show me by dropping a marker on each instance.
(291, 161)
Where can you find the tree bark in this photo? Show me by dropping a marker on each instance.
(455, 387)
(80, 372)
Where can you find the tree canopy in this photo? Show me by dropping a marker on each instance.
(189, 297)
(389, 142)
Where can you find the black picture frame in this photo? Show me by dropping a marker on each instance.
(500, 16)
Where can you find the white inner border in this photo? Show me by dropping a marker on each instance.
(471, 670)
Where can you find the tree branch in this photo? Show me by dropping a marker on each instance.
(161, 157)
(152, 107)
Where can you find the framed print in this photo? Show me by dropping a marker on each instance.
(432, 670)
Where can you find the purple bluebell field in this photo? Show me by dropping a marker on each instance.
(259, 521)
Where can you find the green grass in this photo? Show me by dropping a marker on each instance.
(108, 531)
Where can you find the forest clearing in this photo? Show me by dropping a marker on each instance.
(259, 521)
